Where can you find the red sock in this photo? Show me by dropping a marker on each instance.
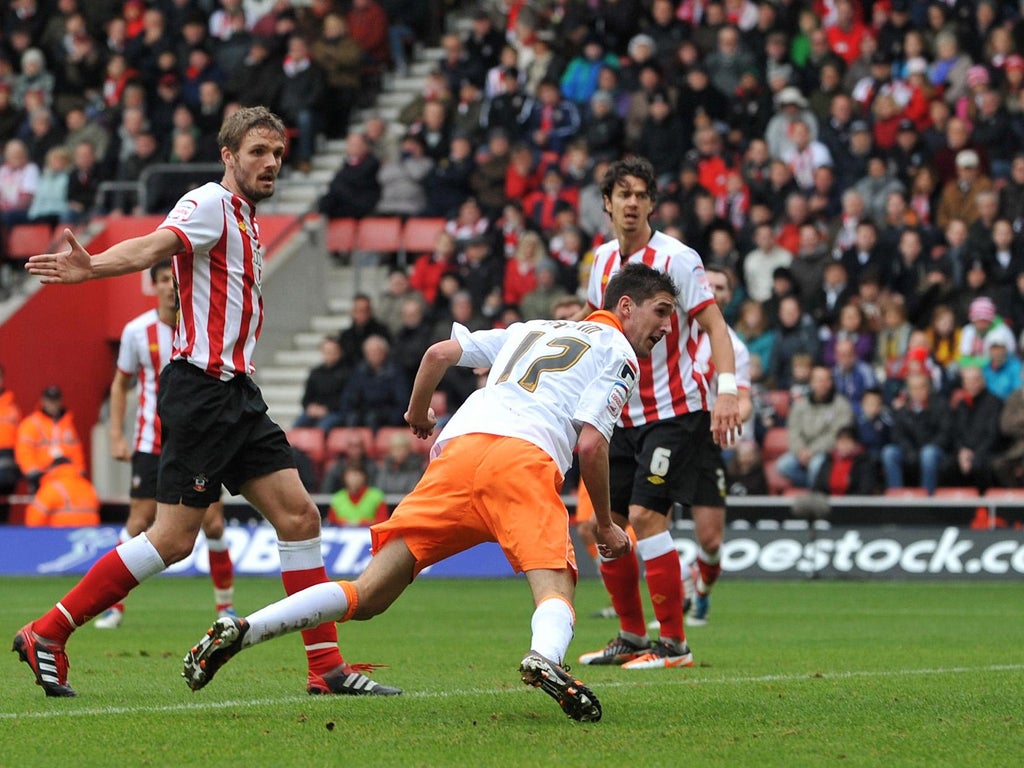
(221, 572)
(708, 575)
(622, 580)
(322, 641)
(106, 583)
(664, 580)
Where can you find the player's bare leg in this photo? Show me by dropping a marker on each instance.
(709, 525)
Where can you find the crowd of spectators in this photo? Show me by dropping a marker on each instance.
(858, 166)
(94, 92)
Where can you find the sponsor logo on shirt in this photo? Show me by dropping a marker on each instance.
(617, 398)
(182, 211)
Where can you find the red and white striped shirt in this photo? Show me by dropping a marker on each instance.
(670, 385)
(219, 274)
(145, 349)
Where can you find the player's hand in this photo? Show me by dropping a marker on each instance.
(725, 420)
(612, 541)
(73, 265)
(422, 426)
(119, 449)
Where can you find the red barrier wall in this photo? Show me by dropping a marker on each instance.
(67, 335)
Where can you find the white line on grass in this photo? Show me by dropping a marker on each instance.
(660, 680)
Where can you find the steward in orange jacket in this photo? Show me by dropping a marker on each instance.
(65, 499)
(46, 435)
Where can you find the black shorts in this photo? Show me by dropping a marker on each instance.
(668, 461)
(214, 433)
(145, 472)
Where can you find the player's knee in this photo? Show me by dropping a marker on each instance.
(300, 523)
(214, 529)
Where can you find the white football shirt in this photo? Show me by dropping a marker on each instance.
(547, 379)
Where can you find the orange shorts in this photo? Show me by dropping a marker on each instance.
(485, 488)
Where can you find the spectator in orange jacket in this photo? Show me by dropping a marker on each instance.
(46, 435)
(10, 415)
(65, 499)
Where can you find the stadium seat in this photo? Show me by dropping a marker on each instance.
(341, 235)
(1006, 494)
(24, 240)
(337, 439)
(905, 492)
(957, 492)
(379, 234)
(310, 440)
(419, 234)
(439, 402)
(778, 484)
(382, 440)
(776, 443)
(780, 401)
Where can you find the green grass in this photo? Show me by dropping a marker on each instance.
(788, 673)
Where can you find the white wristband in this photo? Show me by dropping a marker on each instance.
(727, 384)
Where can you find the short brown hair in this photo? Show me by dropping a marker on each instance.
(237, 126)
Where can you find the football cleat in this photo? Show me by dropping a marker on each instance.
(618, 651)
(48, 662)
(662, 656)
(226, 611)
(608, 612)
(575, 699)
(109, 619)
(348, 680)
(222, 641)
(701, 606)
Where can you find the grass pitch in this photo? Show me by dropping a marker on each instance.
(787, 673)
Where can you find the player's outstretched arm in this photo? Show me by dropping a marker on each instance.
(75, 264)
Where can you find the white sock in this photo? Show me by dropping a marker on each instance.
(552, 625)
(303, 610)
(655, 546)
(708, 558)
(140, 557)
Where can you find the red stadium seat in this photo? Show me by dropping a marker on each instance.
(337, 440)
(310, 440)
(776, 443)
(439, 402)
(958, 492)
(419, 234)
(341, 235)
(382, 440)
(778, 484)
(780, 401)
(1005, 494)
(24, 240)
(905, 492)
(380, 234)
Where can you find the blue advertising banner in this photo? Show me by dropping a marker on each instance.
(57, 551)
(784, 552)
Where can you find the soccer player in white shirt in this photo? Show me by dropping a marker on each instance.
(214, 422)
(145, 349)
(664, 428)
(708, 505)
(553, 385)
